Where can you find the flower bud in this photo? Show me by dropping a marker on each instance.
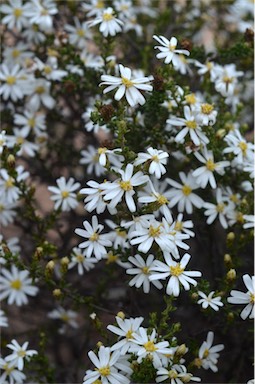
(38, 253)
(231, 275)
(194, 296)
(231, 236)
(227, 259)
(220, 133)
(11, 161)
(99, 344)
(181, 350)
(121, 315)
(57, 293)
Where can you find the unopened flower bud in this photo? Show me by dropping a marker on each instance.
(64, 261)
(197, 362)
(57, 293)
(227, 259)
(11, 161)
(220, 133)
(121, 315)
(231, 275)
(181, 350)
(230, 316)
(99, 344)
(50, 265)
(93, 316)
(38, 253)
(231, 236)
(194, 296)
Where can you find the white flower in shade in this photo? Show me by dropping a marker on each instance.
(8, 189)
(156, 160)
(183, 195)
(20, 138)
(249, 221)
(118, 235)
(205, 174)
(40, 95)
(64, 195)
(18, 54)
(33, 35)
(90, 157)
(105, 371)
(128, 86)
(109, 24)
(114, 191)
(93, 7)
(96, 242)
(208, 354)
(10, 375)
(19, 354)
(209, 300)
(168, 50)
(31, 120)
(16, 285)
(176, 271)
(125, 330)
(184, 226)
(227, 79)
(7, 212)
(79, 259)
(13, 84)
(191, 127)
(238, 297)
(68, 316)
(220, 209)
(92, 61)
(205, 114)
(50, 70)
(3, 319)
(147, 345)
(40, 12)
(94, 199)
(177, 374)
(142, 271)
(238, 145)
(78, 34)
(14, 12)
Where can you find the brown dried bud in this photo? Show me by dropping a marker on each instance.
(106, 112)
(158, 83)
(249, 35)
(186, 44)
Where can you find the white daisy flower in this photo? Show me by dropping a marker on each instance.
(125, 330)
(109, 24)
(19, 354)
(8, 189)
(184, 226)
(238, 297)
(249, 221)
(177, 374)
(7, 212)
(205, 114)
(156, 159)
(41, 12)
(16, 286)
(90, 157)
(205, 174)
(94, 199)
(64, 196)
(79, 259)
(3, 319)
(208, 354)
(31, 120)
(142, 271)
(94, 7)
(15, 14)
(221, 209)
(40, 95)
(78, 34)
(209, 300)
(238, 145)
(227, 79)
(168, 50)
(128, 86)
(13, 83)
(105, 371)
(118, 235)
(177, 273)
(10, 375)
(20, 138)
(96, 242)
(147, 345)
(68, 316)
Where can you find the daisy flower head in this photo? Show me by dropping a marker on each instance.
(128, 86)
(205, 173)
(157, 159)
(208, 354)
(95, 242)
(14, 14)
(239, 297)
(145, 344)
(41, 12)
(12, 81)
(93, 7)
(221, 209)
(94, 198)
(19, 354)
(249, 221)
(105, 368)
(125, 330)
(64, 196)
(178, 275)
(16, 285)
(177, 374)
(237, 144)
(205, 114)
(109, 24)
(79, 259)
(67, 316)
(9, 374)
(210, 301)
(168, 50)
(142, 271)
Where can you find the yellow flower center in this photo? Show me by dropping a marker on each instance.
(17, 12)
(176, 270)
(154, 231)
(129, 334)
(172, 374)
(15, 53)
(94, 237)
(191, 99)
(128, 83)
(210, 165)
(16, 284)
(105, 371)
(206, 354)
(20, 140)
(40, 90)
(162, 200)
(111, 258)
(252, 298)
(80, 32)
(243, 145)
(206, 108)
(178, 226)
(31, 122)
(155, 158)
(227, 79)
(80, 258)
(191, 124)
(100, 4)
(21, 353)
(220, 207)
(10, 80)
(9, 183)
(186, 190)
(44, 12)
(107, 16)
(47, 69)
(64, 194)
(239, 217)
(97, 382)
(145, 270)
(150, 346)
(126, 185)
(8, 369)
(209, 65)
(101, 150)
(172, 47)
(121, 233)
(234, 198)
